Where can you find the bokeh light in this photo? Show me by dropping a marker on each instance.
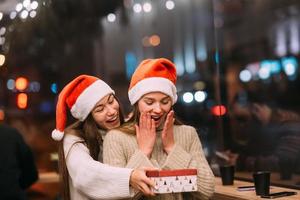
(188, 97)
(218, 110)
(21, 83)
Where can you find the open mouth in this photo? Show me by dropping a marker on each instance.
(156, 118)
(113, 119)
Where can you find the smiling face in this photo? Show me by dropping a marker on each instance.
(106, 112)
(157, 104)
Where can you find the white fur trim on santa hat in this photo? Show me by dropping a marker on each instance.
(89, 98)
(57, 135)
(153, 84)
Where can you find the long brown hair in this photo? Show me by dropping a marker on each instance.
(128, 126)
(88, 131)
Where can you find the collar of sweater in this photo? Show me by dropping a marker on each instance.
(102, 133)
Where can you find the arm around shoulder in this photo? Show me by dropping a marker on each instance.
(94, 179)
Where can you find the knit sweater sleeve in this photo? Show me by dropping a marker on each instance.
(94, 179)
(180, 157)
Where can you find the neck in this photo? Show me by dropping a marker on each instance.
(160, 127)
(158, 130)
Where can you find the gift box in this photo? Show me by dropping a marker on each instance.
(173, 181)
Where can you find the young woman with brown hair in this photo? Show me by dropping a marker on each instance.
(83, 176)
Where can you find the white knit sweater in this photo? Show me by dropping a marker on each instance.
(90, 179)
(121, 149)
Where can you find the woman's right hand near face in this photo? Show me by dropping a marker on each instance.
(139, 180)
(145, 134)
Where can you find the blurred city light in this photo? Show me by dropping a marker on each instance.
(13, 15)
(264, 73)
(281, 46)
(200, 96)
(146, 41)
(294, 37)
(290, 69)
(137, 8)
(1, 15)
(2, 115)
(218, 110)
(2, 30)
(111, 17)
(34, 86)
(2, 59)
(21, 83)
(25, 9)
(32, 14)
(188, 97)
(26, 3)
(10, 84)
(2, 40)
(217, 58)
(19, 7)
(34, 5)
(154, 40)
(189, 54)
(253, 68)
(272, 65)
(170, 5)
(147, 7)
(24, 14)
(131, 63)
(178, 60)
(290, 65)
(199, 85)
(54, 88)
(201, 50)
(22, 100)
(245, 75)
(275, 67)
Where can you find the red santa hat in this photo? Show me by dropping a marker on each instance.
(80, 96)
(153, 75)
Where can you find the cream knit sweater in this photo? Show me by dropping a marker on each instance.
(121, 149)
(90, 179)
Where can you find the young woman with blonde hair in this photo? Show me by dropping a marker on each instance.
(152, 136)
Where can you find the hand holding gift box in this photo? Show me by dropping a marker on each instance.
(174, 181)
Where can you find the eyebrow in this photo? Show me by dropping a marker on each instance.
(167, 97)
(150, 98)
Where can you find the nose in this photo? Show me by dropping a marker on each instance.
(157, 108)
(111, 110)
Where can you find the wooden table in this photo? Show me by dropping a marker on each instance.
(275, 179)
(48, 177)
(230, 192)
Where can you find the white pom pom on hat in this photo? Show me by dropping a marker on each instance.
(57, 135)
(80, 96)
